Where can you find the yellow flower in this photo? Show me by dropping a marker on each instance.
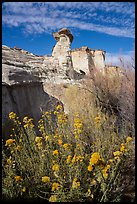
(56, 136)
(26, 126)
(79, 158)
(12, 115)
(111, 160)
(25, 119)
(90, 168)
(9, 142)
(41, 128)
(47, 137)
(55, 152)
(75, 183)
(74, 159)
(24, 189)
(68, 159)
(95, 157)
(9, 161)
(105, 171)
(53, 198)
(18, 178)
(60, 142)
(122, 148)
(105, 175)
(55, 167)
(56, 112)
(30, 120)
(47, 113)
(117, 158)
(59, 107)
(55, 186)
(117, 153)
(38, 139)
(88, 193)
(128, 139)
(66, 146)
(45, 179)
(41, 121)
(77, 126)
(107, 167)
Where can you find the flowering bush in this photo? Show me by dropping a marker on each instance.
(61, 164)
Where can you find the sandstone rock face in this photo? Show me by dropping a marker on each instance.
(80, 59)
(22, 86)
(99, 58)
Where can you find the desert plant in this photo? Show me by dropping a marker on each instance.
(60, 165)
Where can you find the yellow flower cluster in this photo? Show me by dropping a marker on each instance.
(60, 142)
(77, 126)
(24, 189)
(122, 148)
(45, 179)
(48, 115)
(55, 167)
(77, 158)
(75, 183)
(12, 115)
(9, 142)
(117, 154)
(128, 139)
(9, 161)
(38, 141)
(95, 159)
(53, 198)
(105, 171)
(18, 178)
(66, 146)
(55, 186)
(74, 159)
(28, 122)
(90, 168)
(59, 107)
(55, 152)
(62, 118)
(68, 159)
(41, 126)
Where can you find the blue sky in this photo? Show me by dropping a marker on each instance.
(109, 26)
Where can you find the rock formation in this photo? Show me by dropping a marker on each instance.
(24, 73)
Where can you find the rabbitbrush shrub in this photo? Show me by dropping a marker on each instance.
(66, 162)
